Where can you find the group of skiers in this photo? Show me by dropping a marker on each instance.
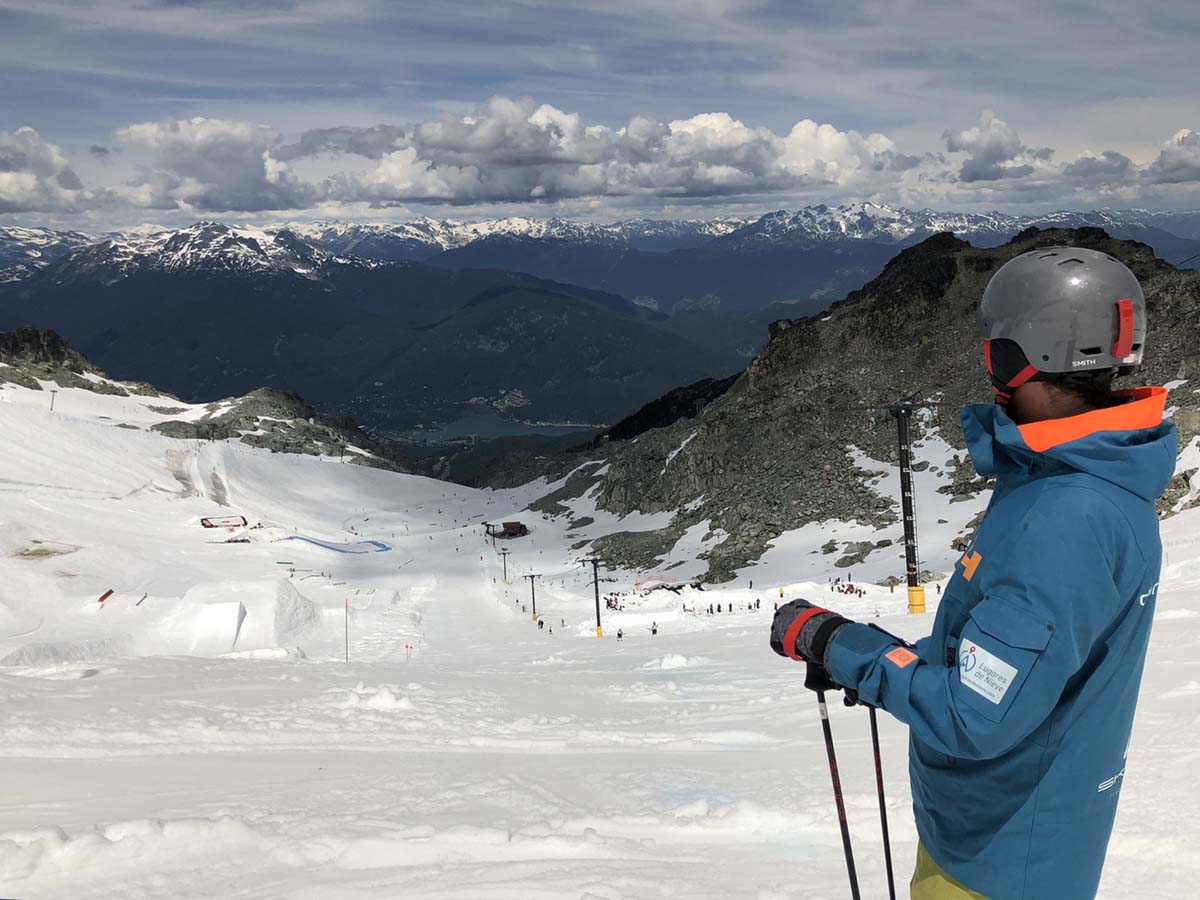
(852, 589)
(653, 631)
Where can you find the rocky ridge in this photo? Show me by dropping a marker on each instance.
(29, 356)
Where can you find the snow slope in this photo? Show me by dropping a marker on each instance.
(154, 746)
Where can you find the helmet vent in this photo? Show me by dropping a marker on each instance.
(1135, 347)
(1047, 255)
(1091, 351)
(1072, 260)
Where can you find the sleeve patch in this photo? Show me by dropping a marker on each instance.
(902, 657)
(983, 672)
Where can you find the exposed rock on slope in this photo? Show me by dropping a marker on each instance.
(283, 423)
(681, 403)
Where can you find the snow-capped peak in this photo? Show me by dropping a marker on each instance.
(201, 246)
(25, 250)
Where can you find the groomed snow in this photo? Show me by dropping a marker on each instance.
(154, 746)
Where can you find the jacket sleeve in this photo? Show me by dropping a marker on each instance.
(1046, 604)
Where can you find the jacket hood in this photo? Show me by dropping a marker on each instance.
(1128, 444)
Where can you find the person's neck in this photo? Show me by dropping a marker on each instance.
(1064, 409)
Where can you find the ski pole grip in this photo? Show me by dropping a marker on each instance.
(817, 679)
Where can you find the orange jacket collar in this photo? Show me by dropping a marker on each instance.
(1144, 410)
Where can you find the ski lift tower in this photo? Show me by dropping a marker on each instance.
(902, 411)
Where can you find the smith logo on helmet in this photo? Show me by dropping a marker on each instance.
(1082, 363)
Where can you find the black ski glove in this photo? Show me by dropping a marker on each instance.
(802, 632)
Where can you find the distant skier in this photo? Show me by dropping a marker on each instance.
(541, 624)
(654, 628)
(620, 634)
(1021, 702)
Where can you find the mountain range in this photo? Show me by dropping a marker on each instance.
(723, 265)
(212, 310)
(806, 258)
(425, 238)
(414, 325)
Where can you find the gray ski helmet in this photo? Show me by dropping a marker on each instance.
(1070, 311)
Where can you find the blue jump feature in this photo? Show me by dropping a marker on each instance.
(356, 547)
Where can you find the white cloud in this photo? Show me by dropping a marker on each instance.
(841, 157)
(35, 177)
(212, 164)
(995, 151)
(516, 150)
(399, 175)
(1108, 167)
(1178, 161)
(522, 153)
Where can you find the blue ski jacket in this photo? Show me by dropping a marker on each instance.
(1020, 703)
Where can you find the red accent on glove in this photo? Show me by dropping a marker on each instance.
(793, 632)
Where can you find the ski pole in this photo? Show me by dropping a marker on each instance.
(887, 844)
(817, 681)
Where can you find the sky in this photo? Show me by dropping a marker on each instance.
(117, 112)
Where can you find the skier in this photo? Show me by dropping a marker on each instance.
(541, 624)
(620, 634)
(1020, 704)
(654, 628)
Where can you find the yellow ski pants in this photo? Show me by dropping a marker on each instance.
(929, 882)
